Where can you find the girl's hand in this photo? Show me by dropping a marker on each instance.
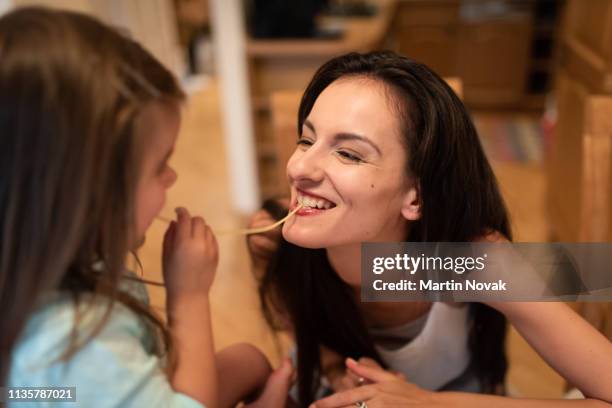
(387, 390)
(190, 257)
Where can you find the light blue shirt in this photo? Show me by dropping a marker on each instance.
(117, 368)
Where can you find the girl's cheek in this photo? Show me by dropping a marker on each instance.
(160, 201)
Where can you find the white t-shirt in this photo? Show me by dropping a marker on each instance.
(438, 354)
(117, 368)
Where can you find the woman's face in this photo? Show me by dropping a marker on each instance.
(348, 170)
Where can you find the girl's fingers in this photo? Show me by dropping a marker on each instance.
(210, 235)
(183, 224)
(198, 228)
(211, 240)
(346, 398)
(374, 374)
(169, 238)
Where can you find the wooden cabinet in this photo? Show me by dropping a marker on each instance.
(587, 43)
(565, 163)
(427, 32)
(493, 60)
(579, 165)
(436, 45)
(589, 24)
(491, 54)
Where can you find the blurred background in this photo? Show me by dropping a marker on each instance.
(535, 74)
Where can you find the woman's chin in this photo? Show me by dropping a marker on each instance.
(303, 239)
(305, 243)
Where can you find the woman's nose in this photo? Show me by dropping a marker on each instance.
(306, 165)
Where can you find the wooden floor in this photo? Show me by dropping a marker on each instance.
(202, 187)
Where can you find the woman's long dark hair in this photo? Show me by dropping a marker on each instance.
(71, 94)
(460, 202)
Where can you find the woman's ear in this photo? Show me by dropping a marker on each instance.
(411, 207)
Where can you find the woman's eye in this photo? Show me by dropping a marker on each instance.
(349, 156)
(304, 142)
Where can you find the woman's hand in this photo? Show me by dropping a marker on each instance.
(387, 390)
(390, 391)
(190, 257)
(346, 379)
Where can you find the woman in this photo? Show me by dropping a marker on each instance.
(387, 152)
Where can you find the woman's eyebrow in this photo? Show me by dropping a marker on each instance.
(310, 126)
(352, 136)
(346, 136)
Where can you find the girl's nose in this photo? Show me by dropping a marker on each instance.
(170, 178)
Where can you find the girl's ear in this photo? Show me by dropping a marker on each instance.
(411, 207)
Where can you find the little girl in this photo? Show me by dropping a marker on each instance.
(89, 121)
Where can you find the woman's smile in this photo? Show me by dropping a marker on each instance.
(312, 204)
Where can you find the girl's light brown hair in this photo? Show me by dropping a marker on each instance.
(71, 90)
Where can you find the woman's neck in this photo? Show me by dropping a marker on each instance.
(346, 262)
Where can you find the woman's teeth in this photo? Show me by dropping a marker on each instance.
(312, 202)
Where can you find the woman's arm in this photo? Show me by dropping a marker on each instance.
(389, 390)
(459, 399)
(569, 344)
